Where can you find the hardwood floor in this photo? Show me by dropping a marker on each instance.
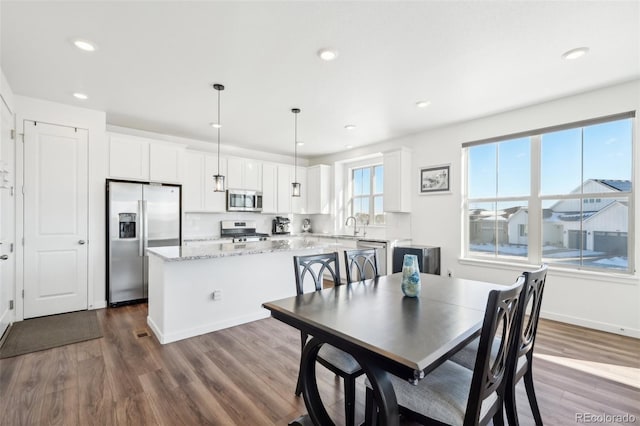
(246, 375)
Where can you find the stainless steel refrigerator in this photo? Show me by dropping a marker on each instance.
(141, 215)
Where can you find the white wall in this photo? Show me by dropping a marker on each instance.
(94, 121)
(602, 301)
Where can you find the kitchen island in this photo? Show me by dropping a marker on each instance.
(197, 290)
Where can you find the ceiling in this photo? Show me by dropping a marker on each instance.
(156, 63)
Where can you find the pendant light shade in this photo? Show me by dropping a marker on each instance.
(295, 185)
(218, 179)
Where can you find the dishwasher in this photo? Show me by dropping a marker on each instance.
(381, 253)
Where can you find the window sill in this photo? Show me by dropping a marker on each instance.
(611, 277)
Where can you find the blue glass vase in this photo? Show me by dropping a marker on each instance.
(411, 276)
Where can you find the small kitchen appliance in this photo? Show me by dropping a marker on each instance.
(306, 225)
(240, 231)
(281, 225)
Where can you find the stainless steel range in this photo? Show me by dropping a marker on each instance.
(241, 231)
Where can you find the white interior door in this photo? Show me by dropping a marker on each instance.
(55, 219)
(7, 225)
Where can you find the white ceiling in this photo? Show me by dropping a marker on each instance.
(157, 60)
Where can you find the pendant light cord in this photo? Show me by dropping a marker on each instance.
(218, 132)
(295, 149)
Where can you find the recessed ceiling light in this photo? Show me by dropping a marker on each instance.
(348, 146)
(85, 45)
(575, 53)
(327, 54)
(299, 143)
(81, 96)
(350, 126)
(423, 104)
(215, 125)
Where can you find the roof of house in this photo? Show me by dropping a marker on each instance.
(618, 185)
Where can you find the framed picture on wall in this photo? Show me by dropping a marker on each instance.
(435, 179)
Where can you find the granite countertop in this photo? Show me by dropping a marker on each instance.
(212, 251)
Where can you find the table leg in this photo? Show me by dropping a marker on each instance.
(382, 388)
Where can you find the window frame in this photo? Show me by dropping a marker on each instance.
(535, 200)
(371, 196)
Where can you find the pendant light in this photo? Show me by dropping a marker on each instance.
(218, 179)
(295, 186)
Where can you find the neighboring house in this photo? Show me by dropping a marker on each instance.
(599, 226)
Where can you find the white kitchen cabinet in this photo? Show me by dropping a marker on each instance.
(285, 179)
(165, 162)
(244, 174)
(318, 189)
(128, 157)
(136, 158)
(269, 188)
(397, 181)
(198, 194)
(299, 204)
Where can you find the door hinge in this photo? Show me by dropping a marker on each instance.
(11, 248)
(10, 304)
(12, 192)
(23, 190)
(23, 293)
(13, 134)
(23, 241)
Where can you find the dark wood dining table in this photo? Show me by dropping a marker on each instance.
(385, 331)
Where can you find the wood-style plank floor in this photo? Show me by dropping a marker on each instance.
(246, 375)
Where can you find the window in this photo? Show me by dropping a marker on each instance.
(366, 194)
(571, 186)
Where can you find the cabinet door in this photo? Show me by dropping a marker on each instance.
(299, 204)
(252, 178)
(397, 181)
(165, 163)
(285, 177)
(193, 187)
(128, 158)
(214, 201)
(234, 173)
(318, 195)
(269, 188)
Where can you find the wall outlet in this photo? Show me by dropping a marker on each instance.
(216, 295)
(449, 273)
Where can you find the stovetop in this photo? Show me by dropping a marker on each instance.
(249, 237)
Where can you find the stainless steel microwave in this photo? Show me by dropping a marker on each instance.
(239, 200)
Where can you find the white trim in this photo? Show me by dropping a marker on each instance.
(608, 277)
(596, 325)
(206, 328)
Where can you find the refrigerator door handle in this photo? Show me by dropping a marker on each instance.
(140, 230)
(145, 227)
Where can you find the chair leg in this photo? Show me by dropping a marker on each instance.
(531, 395)
(349, 400)
(370, 412)
(498, 417)
(510, 404)
(299, 382)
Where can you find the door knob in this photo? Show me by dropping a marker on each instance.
(81, 242)
(4, 257)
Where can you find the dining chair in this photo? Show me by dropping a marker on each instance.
(311, 269)
(521, 358)
(361, 264)
(454, 395)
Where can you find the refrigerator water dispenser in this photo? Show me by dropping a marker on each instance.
(127, 225)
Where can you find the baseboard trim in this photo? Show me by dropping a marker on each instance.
(165, 338)
(596, 325)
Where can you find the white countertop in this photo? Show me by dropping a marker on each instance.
(211, 251)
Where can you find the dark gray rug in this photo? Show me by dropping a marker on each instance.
(42, 333)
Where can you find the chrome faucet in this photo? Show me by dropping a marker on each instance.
(355, 224)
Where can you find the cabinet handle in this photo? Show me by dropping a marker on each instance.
(4, 257)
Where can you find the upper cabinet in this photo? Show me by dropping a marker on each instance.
(269, 188)
(299, 204)
(318, 190)
(197, 190)
(244, 174)
(135, 158)
(285, 178)
(397, 181)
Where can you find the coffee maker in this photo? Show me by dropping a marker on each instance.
(281, 225)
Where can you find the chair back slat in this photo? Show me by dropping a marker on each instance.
(311, 268)
(500, 322)
(532, 297)
(361, 264)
